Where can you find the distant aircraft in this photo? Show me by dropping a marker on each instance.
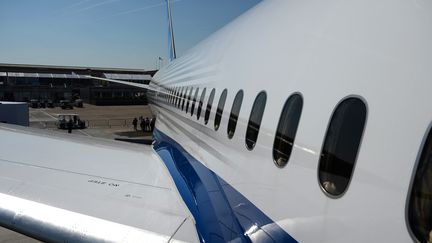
(301, 121)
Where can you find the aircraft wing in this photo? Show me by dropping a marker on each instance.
(59, 188)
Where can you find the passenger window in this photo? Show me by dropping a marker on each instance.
(341, 146)
(184, 98)
(220, 109)
(420, 199)
(287, 129)
(255, 120)
(171, 97)
(235, 111)
(194, 101)
(201, 103)
(188, 100)
(209, 106)
(175, 96)
(180, 95)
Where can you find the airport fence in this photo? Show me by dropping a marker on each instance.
(98, 123)
(109, 123)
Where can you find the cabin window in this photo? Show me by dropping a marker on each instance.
(188, 100)
(201, 103)
(194, 101)
(420, 199)
(184, 98)
(287, 129)
(235, 111)
(175, 96)
(180, 97)
(209, 106)
(341, 146)
(255, 119)
(167, 95)
(220, 108)
(171, 96)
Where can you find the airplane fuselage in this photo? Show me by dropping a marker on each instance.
(376, 54)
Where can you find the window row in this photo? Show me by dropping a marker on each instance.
(341, 142)
(186, 98)
(340, 146)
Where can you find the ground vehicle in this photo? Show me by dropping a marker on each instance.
(50, 104)
(34, 103)
(74, 119)
(65, 104)
(78, 103)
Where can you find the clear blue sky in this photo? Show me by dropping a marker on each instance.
(106, 33)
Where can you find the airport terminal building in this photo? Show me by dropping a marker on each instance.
(26, 82)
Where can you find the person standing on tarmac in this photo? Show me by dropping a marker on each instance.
(152, 123)
(147, 124)
(142, 125)
(135, 123)
(69, 126)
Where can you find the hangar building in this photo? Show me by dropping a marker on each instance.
(23, 83)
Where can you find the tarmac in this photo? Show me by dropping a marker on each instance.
(9, 236)
(109, 122)
(103, 121)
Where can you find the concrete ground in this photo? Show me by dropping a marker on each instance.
(110, 122)
(93, 112)
(103, 121)
(8, 236)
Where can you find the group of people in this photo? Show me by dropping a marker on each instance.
(71, 123)
(146, 124)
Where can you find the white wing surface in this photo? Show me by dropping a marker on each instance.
(56, 187)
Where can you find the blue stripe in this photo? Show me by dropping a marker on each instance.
(221, 213)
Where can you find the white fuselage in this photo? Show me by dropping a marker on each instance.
(380, 51)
